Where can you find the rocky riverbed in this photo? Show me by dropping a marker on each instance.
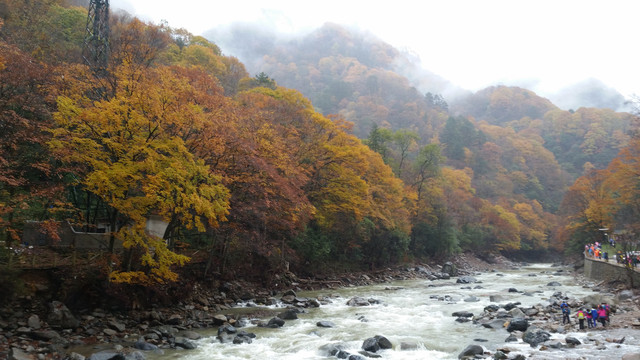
(57, 333)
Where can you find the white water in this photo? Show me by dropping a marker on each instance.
(409, 315)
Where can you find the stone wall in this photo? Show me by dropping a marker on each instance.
(602, 270)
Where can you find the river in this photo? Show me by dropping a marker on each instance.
(413, 312)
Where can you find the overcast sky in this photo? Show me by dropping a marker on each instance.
(540, 44)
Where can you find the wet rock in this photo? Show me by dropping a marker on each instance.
(289, 314)
(511, 338)
(534, 337)
(491, 308)
(471, 351)
(465, 314)
(573, 341)
(61, 317)
(554, 284)
(499, 355)
(358, 301)
(275, 323)
(325, 324)
(404, 346)
(516, 313)
(494, 324)
(332, 349)
(244, 337)
(184, 343)
(510, 306)
(355, 357)
(466, 280)
(472, 299)
(219, 319)
(371, 344)
(496, 298)
(143, 345)
(518, 324)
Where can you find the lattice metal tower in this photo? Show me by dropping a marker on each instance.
(96, 40)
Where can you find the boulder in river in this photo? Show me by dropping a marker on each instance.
(376, 343)
(518, 324)
(535, 336)
(471, 351)
(466, 280)
(465, 314)
(325, 324)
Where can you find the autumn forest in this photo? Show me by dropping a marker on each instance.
(327, 159)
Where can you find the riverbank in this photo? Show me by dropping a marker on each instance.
(31, 333)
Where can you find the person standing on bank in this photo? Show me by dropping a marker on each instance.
(565, 313)
(581, 317)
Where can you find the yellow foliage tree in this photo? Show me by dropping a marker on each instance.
(129, 152)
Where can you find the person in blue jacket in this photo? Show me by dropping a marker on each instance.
(594, 316)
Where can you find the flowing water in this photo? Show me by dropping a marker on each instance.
(410, 312)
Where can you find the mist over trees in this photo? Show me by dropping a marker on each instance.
(324, 158)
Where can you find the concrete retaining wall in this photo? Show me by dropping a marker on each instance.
(602, 270)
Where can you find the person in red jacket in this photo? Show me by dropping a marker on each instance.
(602, 315)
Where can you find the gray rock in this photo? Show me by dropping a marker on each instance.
(34, 322)
(511, 338)
(466, 280)
(625, 295)
(219, 319)
(450, 269)
(289, 314)
(120, 327)
(554, 284)
(499, 355)
(465, 314)
(358, 301)
(18, 354)
(143, 345)
(535, 336)
(635, 356)
(383, 342)
(184, 343)
(496, 298)
(494, 324)
(61, 317)
(516, 313)
(472, 299)
(332, 349)
(325, 324)
(471, 351)
(45, 335)
(109, 332)
(75, 356)
(573, 341)
(518, 324)
(370, 344)
(275, 323)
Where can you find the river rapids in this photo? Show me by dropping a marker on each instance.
(416, 316)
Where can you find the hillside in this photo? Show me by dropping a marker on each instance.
(252, 176)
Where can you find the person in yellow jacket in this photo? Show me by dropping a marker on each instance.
(581, 316)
